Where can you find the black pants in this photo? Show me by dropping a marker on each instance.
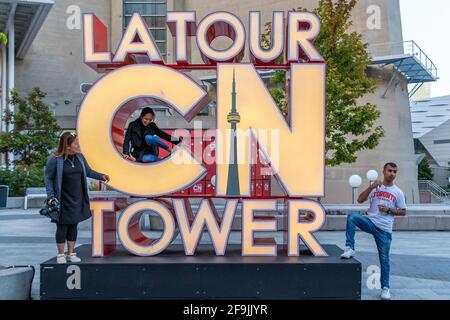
(67, 232)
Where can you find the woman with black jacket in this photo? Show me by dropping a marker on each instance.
(142, 139)
(66, 176)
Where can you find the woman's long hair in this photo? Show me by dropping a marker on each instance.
(66, 139)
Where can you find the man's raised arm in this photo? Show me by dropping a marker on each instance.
(364, 196)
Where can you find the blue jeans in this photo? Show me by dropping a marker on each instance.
(154, 141)
(382, 238)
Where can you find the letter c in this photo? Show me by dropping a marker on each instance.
(95, 121)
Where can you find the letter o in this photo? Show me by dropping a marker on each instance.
(131, 236)
(220, 23)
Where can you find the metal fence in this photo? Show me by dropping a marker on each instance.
(404, 48)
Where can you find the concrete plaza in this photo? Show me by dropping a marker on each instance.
(420, 261)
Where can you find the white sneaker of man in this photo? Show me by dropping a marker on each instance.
(385, 294)
(73, 258)
(61, 259)
(348, 253)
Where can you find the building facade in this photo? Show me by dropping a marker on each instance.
(54, 62)
(431, 131)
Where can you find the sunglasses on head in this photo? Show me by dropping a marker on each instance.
(71, 133)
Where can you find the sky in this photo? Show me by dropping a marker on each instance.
(428, 24)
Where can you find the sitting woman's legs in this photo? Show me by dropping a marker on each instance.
(152, 140)
(150, 158)
(156, 141)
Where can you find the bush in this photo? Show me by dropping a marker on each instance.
(21, 178)
(35, 131)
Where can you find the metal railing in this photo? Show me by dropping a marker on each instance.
(404, 48)
(436, 191)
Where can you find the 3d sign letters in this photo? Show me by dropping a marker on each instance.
(137, 75)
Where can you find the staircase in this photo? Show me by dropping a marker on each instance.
(438, 194)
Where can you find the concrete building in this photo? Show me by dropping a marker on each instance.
(54, 63)
(431, 130)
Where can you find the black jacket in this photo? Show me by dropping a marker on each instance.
(134, 142)
(54, 179)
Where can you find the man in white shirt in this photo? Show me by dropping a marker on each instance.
(386, 202)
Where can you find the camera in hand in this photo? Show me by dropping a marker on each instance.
(51, 211)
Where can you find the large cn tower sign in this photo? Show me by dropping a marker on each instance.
(246, 112)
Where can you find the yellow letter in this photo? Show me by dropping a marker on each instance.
(147, 45)
(205, 216)
(147, 247)
(93, 25)
(97, 208)
(253, 246)
(304, 230)
(277, 40)
(94, 128)
(302, 38)
(298, 153)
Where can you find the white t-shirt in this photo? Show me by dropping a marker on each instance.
(391, 197)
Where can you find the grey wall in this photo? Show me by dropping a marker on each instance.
(55, 61)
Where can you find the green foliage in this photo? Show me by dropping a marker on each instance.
(35, 130)
(3, 38)
(425, 172)
(350, 126)
(21, 178)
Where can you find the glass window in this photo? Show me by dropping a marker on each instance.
(162, 47)
(158, 34)
(442, 141)
(152, 22)
(154, 14)
(145, 8)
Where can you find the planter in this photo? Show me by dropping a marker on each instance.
(15, 283)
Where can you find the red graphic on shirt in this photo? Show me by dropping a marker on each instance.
(383, 195)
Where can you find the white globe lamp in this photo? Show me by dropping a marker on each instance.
(372, 175)
(355, 182)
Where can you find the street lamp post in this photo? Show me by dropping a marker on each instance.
(372, 176)
(355, 182)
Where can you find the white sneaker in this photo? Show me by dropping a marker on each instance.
(73, 258)
(385, 294)
(348, 253)
(61, 259)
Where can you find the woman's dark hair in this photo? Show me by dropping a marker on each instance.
(66, 139)
(146, 111)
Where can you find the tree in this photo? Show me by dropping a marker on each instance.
(425, 172)
(350, 126)
(3, 38)
(35, 130)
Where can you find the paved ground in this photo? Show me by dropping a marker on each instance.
(420, 260)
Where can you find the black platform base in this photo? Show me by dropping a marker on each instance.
(172, 275)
